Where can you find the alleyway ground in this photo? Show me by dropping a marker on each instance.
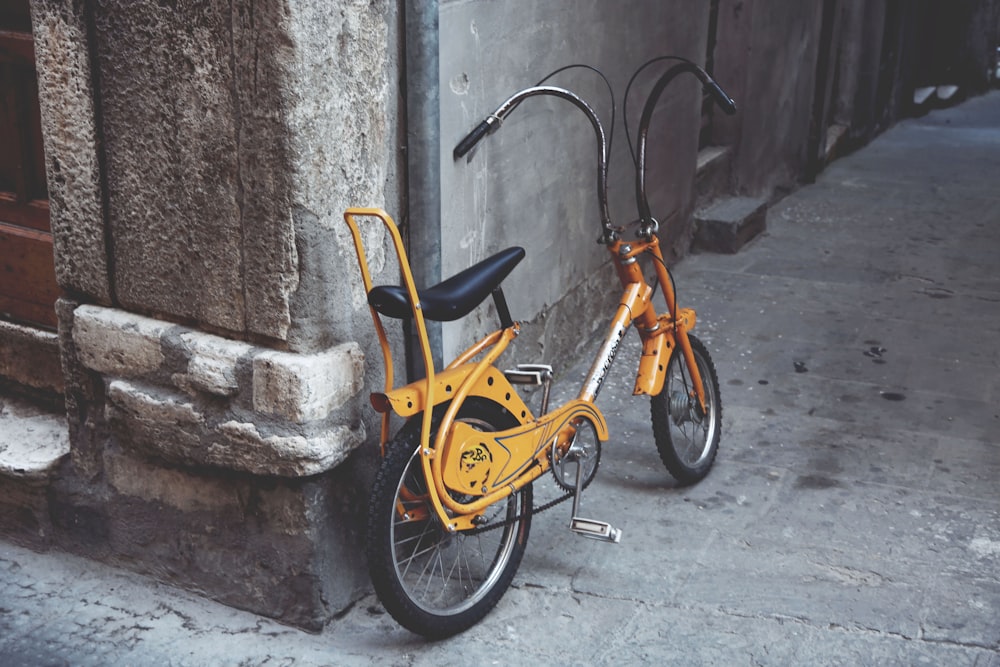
(852, 518)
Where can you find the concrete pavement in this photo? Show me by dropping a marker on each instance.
(852, 518)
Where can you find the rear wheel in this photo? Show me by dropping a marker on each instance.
(434, 582)
(686, 437)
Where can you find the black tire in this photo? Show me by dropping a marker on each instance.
(687, 440)
(433, 582)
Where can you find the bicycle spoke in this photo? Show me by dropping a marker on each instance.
(414, 556)
(456, 564)
(429, 569)
(482, 554)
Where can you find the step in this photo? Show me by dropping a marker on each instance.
(32, 440)
(728, 224)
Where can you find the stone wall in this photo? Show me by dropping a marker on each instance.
(202, 155)
(196, 399)
(213, 332)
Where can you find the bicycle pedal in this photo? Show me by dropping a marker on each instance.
(595, 530)
(523, 377)
(529, 374)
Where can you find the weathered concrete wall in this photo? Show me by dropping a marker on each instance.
(533, 183)
(767, 54)
(778, 94)
(955, 41)
(864, 26)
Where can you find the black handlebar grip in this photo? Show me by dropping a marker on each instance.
(722, 99)
(471, 139)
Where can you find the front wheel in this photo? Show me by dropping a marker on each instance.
(687, 439)
(434, 582)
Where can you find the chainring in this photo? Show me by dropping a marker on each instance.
(584, 450)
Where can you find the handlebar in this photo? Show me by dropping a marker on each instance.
(646, 221)
(473, 138)
(647, 224)
(724, 101)
(492, 122)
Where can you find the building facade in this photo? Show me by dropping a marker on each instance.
(185, 348)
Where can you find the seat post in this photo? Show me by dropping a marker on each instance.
(502, 310)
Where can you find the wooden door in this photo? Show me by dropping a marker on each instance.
(27, 272)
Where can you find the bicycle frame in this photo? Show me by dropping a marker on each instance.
(461, 379)
(527, 445)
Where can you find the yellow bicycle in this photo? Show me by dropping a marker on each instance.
(451, 506)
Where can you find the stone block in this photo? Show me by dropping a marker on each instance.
(288, 433)
(152, 420)
(212, 366)
(30, 357)
(66, 96)
(155, 420)
(176, 488)
(117, 342)
(241, 446)
(202, 221)
(306, 387)
(730, 223)
(153, 404)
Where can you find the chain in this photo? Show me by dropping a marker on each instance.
(524, 515)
